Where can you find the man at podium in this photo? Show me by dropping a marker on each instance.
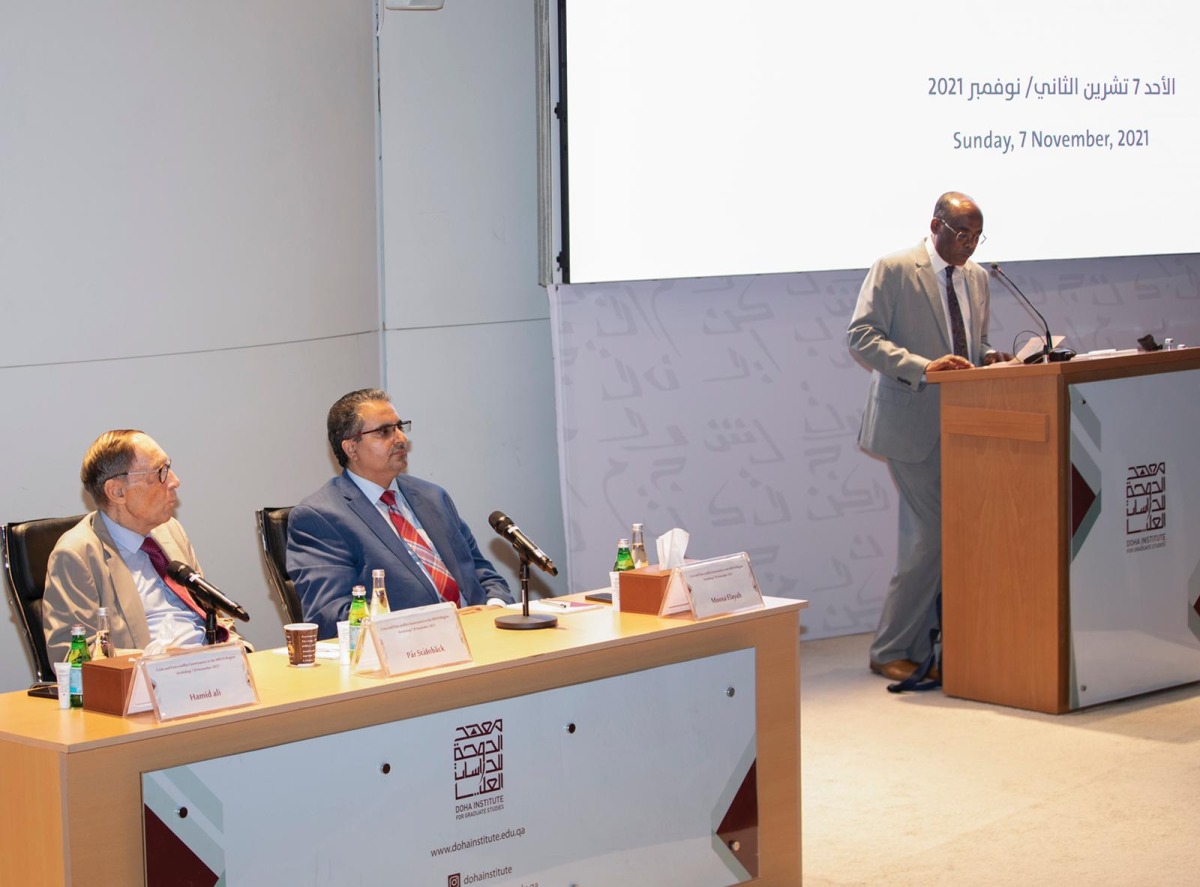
(922, 310)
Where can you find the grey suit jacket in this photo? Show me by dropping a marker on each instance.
(86, 571)
(898, 328)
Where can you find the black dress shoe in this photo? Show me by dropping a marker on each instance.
(896, 670)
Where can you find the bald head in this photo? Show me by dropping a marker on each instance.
(953, 203)
(956, 227)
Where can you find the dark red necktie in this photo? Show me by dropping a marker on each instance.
(158, 557)
(442, 579)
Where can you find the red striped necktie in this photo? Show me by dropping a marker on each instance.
(442, 579)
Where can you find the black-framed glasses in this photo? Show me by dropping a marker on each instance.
(162, 471)
(384, 432)
(964, 237)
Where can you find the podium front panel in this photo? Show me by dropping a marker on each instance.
(1135, 536)
(1052, 599)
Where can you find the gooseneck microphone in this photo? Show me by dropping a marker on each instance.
(504, 526)
(209, 593)
(1049, 346)
(1048, 352)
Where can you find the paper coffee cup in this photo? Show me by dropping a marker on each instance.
(301, 643)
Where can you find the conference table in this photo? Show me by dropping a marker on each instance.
(613, 746)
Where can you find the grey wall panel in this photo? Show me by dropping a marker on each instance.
(183, 176)
(459, 165)
(188, 244)
(468, 340)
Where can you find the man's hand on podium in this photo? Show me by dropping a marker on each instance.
(948, 362)
(997, 357)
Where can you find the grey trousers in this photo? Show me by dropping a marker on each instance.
(910, 609)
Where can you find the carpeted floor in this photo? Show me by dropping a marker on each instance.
(929, 791)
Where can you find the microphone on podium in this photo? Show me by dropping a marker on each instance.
(1048, 352)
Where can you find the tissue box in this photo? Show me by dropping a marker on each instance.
(106, 684)
(643, 589)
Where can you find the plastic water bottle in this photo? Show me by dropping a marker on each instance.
(624, 557)
(77, 655)
(358, 612)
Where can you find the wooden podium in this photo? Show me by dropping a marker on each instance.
(71, 781)
(1006, 524)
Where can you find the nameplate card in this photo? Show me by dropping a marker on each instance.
(138, 699)
(197, 680)
(416, 639)
(721, 585)
(675, 600)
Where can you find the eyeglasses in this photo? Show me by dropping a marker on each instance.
(384, 432)
(162, 472)
(964, 237)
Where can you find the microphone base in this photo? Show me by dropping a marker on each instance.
(521, 622)
(1057, 355)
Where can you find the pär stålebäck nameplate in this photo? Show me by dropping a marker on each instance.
(414, 640)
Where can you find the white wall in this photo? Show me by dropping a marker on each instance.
(467, 329)
(188, 245)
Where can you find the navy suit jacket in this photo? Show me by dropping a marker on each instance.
(336, 537)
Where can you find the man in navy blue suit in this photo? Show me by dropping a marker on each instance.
(374, 516)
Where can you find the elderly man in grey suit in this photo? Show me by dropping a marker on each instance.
(116, 556)
(920, 311)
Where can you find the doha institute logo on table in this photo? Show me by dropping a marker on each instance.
(478, 751)
(479, 782)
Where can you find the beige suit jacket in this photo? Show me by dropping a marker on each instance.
(86, 571)
(898, 327)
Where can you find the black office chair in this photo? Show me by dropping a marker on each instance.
(272, 530)
(27, 546)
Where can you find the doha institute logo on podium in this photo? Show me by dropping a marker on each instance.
(1146, 506)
